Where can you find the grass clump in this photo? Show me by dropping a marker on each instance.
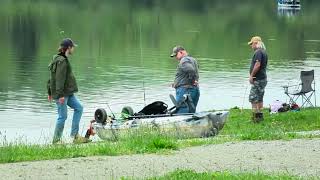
(274, 126)
(191, 174)
(148, 140)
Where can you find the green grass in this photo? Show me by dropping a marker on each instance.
(142, 141)
(238, 128)
(275, 126)
(190, 174)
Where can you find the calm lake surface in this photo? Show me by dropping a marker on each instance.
(124, 49)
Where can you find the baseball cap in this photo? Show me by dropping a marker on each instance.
(254, 39)
(175, 50)
(67, 42)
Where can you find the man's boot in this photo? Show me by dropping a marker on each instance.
(253, 117)
(259, 117)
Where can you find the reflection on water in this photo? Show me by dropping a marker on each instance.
(111, 71)
(288, 12)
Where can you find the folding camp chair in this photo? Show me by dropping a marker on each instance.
(306, 89)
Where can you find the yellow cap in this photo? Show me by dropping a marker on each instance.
(254, 39)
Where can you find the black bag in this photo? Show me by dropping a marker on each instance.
(285, 107)
(157, 107)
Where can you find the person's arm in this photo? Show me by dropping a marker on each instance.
(256, 68)
(61, 75)
(49, 91)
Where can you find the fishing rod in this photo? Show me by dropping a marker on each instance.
(141, 61)
(244, 96)
(111, 111)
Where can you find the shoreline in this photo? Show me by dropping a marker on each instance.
(282, 126)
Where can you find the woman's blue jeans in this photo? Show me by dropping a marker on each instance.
(74, 103)
(194, 93)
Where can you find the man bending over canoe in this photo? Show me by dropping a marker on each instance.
(186, 79)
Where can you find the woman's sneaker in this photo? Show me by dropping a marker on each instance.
(57, 141)
(79, 139)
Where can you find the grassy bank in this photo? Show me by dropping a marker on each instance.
(142, 141)
(239, 127)
(189, 174)
(275, 126)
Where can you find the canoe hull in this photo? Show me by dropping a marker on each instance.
(203, 124)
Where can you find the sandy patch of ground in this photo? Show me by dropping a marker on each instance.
(297, 157)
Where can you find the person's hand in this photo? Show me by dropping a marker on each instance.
(195, 83)
(251, 79)
(49, 98)
(61, 100)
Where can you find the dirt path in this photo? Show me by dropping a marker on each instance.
(297, 157)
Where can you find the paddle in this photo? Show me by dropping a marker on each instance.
(157, 115)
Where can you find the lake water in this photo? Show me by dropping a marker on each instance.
(124, 49)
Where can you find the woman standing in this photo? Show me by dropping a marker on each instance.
(62, 86)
